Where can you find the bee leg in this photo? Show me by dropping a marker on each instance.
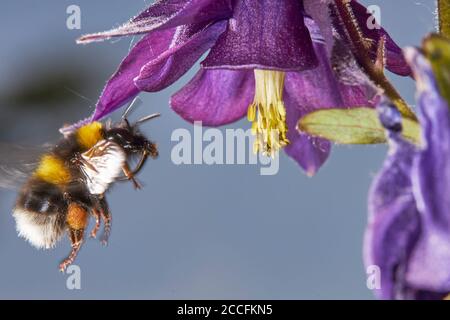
(129, 174)
(106, 217)
(77, 220)
(76, 238)
(97, 216)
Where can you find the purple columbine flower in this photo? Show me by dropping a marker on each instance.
(268, 59)
(408, 236)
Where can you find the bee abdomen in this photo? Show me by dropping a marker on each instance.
(40, 214)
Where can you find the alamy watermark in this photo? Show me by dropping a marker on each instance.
(374, 21)
(211, 147)
(373, 277)
(73, 281)
(73, 20)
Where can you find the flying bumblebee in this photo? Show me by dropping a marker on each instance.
(68, 183)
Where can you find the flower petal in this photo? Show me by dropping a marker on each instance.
(166, 14)
(394, 220)
(309, 152)
(320, 13)
(432, 171)
(395, 61)
(428, 266)
(431, 183)
(188, 45)
(264, 34)
(120, 88)
(390, 236)
(319, 88)
(301, 98)
(215, 97)
(408, 235)
(308, 91)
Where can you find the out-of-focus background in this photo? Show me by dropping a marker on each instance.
(194, 231)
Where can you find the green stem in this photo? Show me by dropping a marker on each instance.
(444, 17)
(360, 52)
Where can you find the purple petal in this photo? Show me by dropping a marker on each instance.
(189, 44)
(320, 13)
(166, 14)
(312, 90)
(395, 61)
(394, 221)
(120, 88)
(304, 92)
(319, 88)
(428, 266)
(215, 97)
(264, 34)
(390, 236)
(309, 152)
(408, 235)
(71, 128)
(431, 183)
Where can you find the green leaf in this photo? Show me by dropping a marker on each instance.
(352, 126)
(444, 17)
(437, 51)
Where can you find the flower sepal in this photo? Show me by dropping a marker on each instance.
(437, 50)
(353, 126)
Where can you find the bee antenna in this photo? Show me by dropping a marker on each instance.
(130, 107)
(146, 118)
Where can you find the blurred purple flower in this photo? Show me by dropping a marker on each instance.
(269, 59)
(408, 235)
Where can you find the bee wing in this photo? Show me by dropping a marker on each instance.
(18, 162)
(101, 165)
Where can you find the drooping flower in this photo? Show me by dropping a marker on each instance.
(408, 235)
(268, 59)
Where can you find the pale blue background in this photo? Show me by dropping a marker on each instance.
(194, 231)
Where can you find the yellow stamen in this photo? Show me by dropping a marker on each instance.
(267, 112)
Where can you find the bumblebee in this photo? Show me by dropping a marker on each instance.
(69, 182)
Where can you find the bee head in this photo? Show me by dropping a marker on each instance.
(129, 137)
